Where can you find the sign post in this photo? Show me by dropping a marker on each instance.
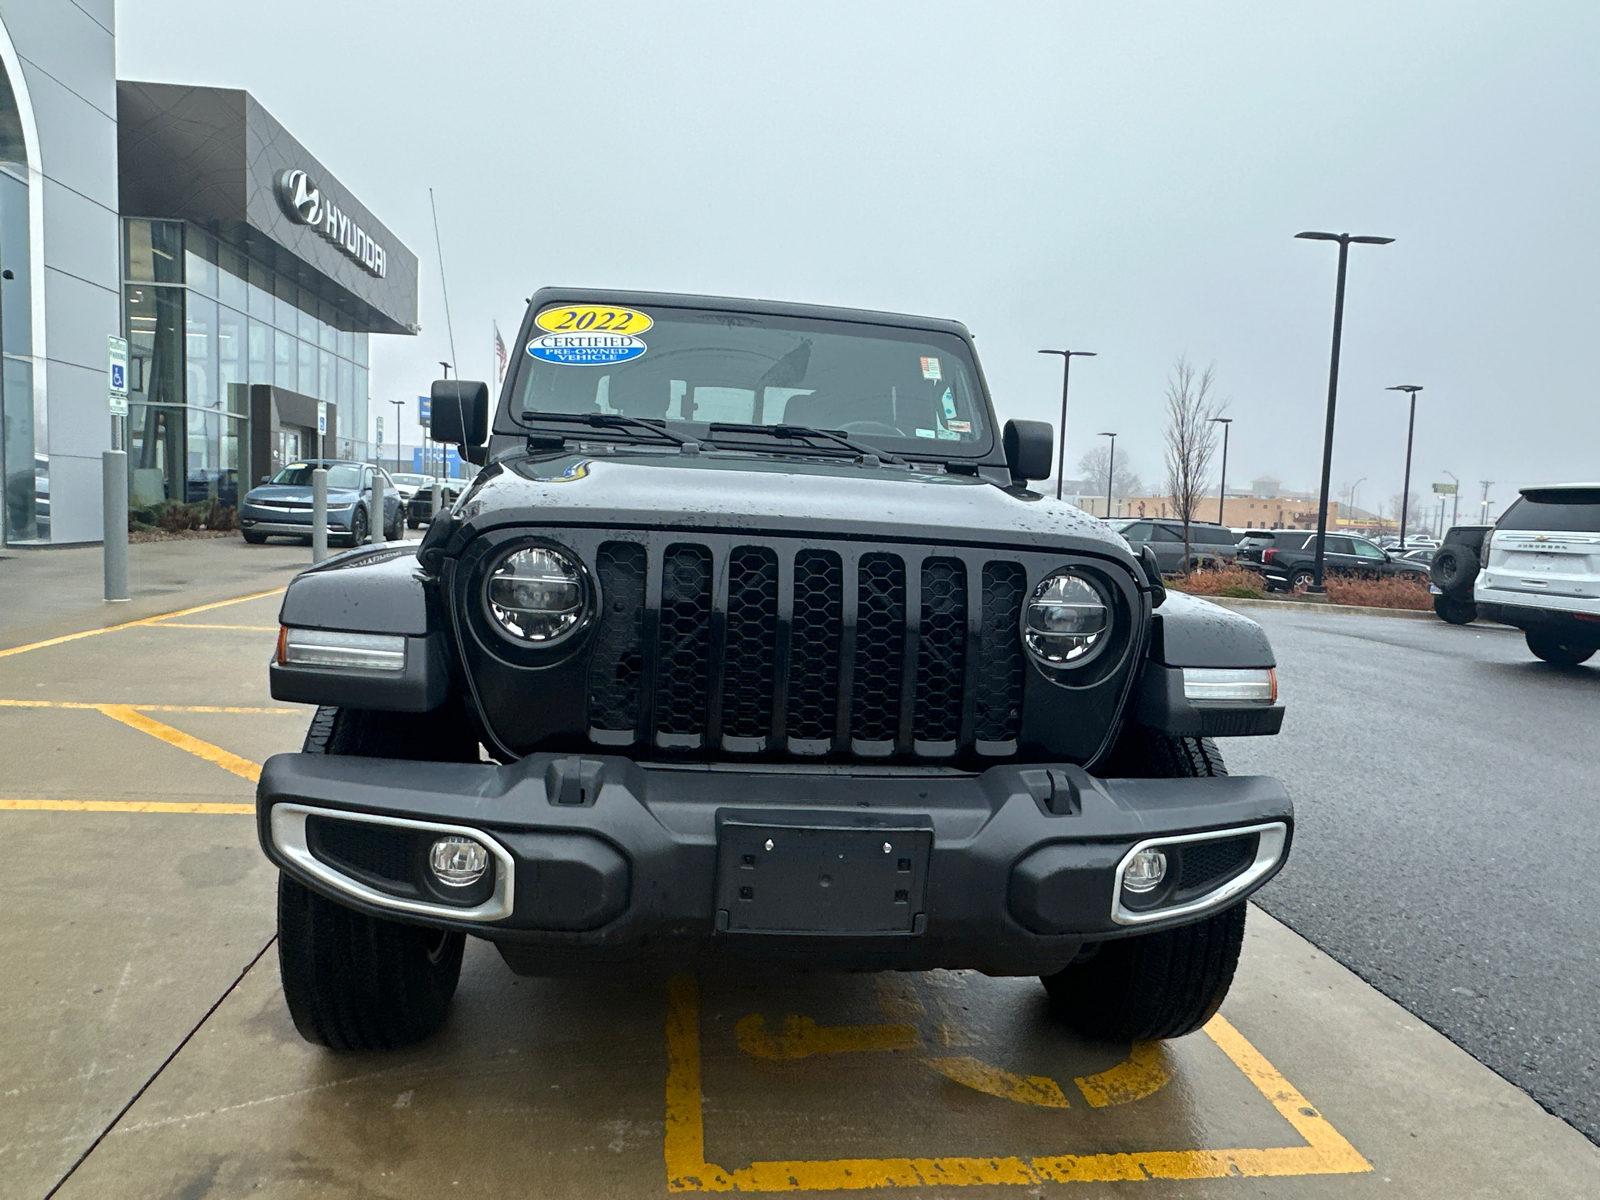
(322, 425)
(114, 474)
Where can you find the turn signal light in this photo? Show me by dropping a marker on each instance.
(1228, 685)
(337, 649)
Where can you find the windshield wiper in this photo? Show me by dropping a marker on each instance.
(805, 431)
(613, 421)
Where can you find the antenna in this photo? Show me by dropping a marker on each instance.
(443, 286)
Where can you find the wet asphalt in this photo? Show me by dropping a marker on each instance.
(1447, 789)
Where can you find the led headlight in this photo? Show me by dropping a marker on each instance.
(537, 595)
(1066, 620)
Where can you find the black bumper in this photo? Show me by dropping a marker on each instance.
(1010, 871)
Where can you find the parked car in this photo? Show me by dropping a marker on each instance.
(1209, 545)
(1423, 556)
(408, 484)
(1289, 563)
(419, 509)
(1256, 542)
(1454, 569)
(1541, 571)
(789, 666)
(281, 505)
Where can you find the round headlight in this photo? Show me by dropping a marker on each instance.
(537, 595)
(1066, 620)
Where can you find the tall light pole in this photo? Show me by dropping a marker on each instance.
(1222, 488)
(1410, 389)
(399, 407)
(1066, 372)
(1483, 509)
(1455, 500)
(1354, 487)
(1344, 240)
(1111, 469)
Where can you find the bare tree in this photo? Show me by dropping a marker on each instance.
(1191, 440)
(1125, 481)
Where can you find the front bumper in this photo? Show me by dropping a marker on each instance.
(265, 521)
(600, 859)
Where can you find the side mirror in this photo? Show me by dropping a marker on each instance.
(460, 412)
(1028, 445)
(265, 478)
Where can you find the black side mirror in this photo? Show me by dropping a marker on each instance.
(1028, 445)
(460, 412)
(265, 478)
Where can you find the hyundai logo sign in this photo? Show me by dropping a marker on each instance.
(303, 203)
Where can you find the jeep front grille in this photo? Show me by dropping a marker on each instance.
(779, 647)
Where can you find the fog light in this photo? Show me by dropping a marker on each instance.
(1145, 871)
(458, 861)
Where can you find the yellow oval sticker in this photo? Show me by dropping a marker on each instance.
(592, 318)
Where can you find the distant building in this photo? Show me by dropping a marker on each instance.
(1238, 512)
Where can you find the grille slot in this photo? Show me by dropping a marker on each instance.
(683, 670)
(998, 671)
(618, 663)
(941, 651)
(377, 854)
(1209, 864)
(752, 632)
(816, 631)
(880, 648)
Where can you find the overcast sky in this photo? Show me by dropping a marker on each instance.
(1112, 177)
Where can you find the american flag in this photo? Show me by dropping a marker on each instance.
(499, 357)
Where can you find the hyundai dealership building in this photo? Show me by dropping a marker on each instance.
(246, 279)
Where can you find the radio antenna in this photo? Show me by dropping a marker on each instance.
(438, 247)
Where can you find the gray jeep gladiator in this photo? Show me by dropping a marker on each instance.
(751, 640)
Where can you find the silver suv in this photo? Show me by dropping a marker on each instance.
(1541, 571)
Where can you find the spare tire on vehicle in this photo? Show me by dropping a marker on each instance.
(1454, 568)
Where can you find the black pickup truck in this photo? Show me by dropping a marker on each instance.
(751, 640)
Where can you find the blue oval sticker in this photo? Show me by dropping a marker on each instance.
(586, 349)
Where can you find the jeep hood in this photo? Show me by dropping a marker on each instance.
(776, 495)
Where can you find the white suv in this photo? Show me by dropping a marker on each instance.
(1541, 571)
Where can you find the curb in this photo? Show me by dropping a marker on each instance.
(1355, 610)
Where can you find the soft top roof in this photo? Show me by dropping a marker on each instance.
(777, 308)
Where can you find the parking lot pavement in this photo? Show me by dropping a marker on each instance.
(1446, 801)
(145, 1049)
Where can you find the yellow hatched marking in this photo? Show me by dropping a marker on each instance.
(687, 1170)
(188, 708)
(1141, 1075)
(802, 1037)
(126, 806)
(182, 612)
(227, 760)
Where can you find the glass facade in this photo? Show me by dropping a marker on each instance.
(203, 323)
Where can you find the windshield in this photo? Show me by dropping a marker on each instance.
(912, 391)
(410, 480)
(342, 476)
(1566, 511)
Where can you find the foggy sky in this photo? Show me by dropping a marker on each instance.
(1119, 178)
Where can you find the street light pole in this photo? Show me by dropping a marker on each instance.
(1111, 469)
(1455, 499)
(1344, 240)
(1222, 487)
(1411, 427)
(399, 407)
(1066, 372)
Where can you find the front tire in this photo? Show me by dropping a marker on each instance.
(1153, 985)
(1558, 650)
(353, 981)
(358, 527)
(254, 539)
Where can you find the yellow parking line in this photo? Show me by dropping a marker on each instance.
(194, 625)
(191, 708)
(1327, 1151)
(228, 761)
(126, 806)
(183, 612)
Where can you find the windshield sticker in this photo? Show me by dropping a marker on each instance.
(593, 318)
(959, 426)
(928, 433)
(296, 467)
(949, 406)
(930, 369)
(949, 435)
(586, 349)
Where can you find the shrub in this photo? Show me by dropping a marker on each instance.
(1395, 591)
(1237, 582)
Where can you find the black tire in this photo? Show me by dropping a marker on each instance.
(1455, 610)
(1300, 579)
(358, 527)
(411, 522)
(353, 981)
(1559, 650)
(254, 539)
(1453, 569)
(1153, 985)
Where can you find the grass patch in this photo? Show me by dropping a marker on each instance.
(1235, 582)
